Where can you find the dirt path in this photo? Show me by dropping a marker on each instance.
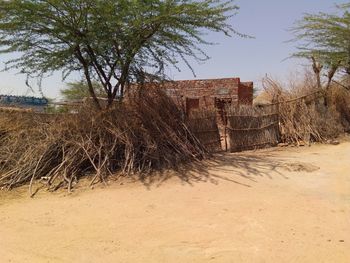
(282, 205)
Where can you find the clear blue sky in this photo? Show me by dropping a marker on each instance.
(249, 59)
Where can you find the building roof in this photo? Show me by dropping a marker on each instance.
(264, 98)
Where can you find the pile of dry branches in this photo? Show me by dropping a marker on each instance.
(135, 137)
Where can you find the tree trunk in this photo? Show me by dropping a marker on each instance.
(91, 89)
(110, 99)
(85, 64)
(317, 67)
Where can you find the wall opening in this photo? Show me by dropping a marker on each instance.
(191, 104)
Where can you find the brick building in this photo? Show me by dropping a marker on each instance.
(208, 93)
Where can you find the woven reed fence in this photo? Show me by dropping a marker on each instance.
(252, 128)
(242, 128)
(204, 125)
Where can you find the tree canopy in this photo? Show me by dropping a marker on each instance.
(325, 38)
(114, 42)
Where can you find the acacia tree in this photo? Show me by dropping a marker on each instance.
(325, 40)
(114, 42)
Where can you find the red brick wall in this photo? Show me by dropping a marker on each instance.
(245, 93)
(186, 92)
(207, 90)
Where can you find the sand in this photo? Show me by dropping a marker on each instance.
(276, 205)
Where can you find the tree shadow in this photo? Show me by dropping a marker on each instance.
(240, 168)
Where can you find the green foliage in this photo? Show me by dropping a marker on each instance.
(80, 90)
(326, 38)
(112, 42)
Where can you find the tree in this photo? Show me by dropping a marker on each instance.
(325, 40)
(80, 90)
(114, 42)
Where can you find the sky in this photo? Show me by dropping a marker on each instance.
(250, 59)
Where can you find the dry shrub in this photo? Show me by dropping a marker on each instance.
(339, 100)
(303, 114)
(135, 137)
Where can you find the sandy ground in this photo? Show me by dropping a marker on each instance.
(280, 205)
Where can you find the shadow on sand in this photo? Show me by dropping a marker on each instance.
(239, 168)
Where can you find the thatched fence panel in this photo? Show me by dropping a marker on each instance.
(206, 130)
(251, 131)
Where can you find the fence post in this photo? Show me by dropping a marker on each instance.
(278, 118)
(225, 136)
